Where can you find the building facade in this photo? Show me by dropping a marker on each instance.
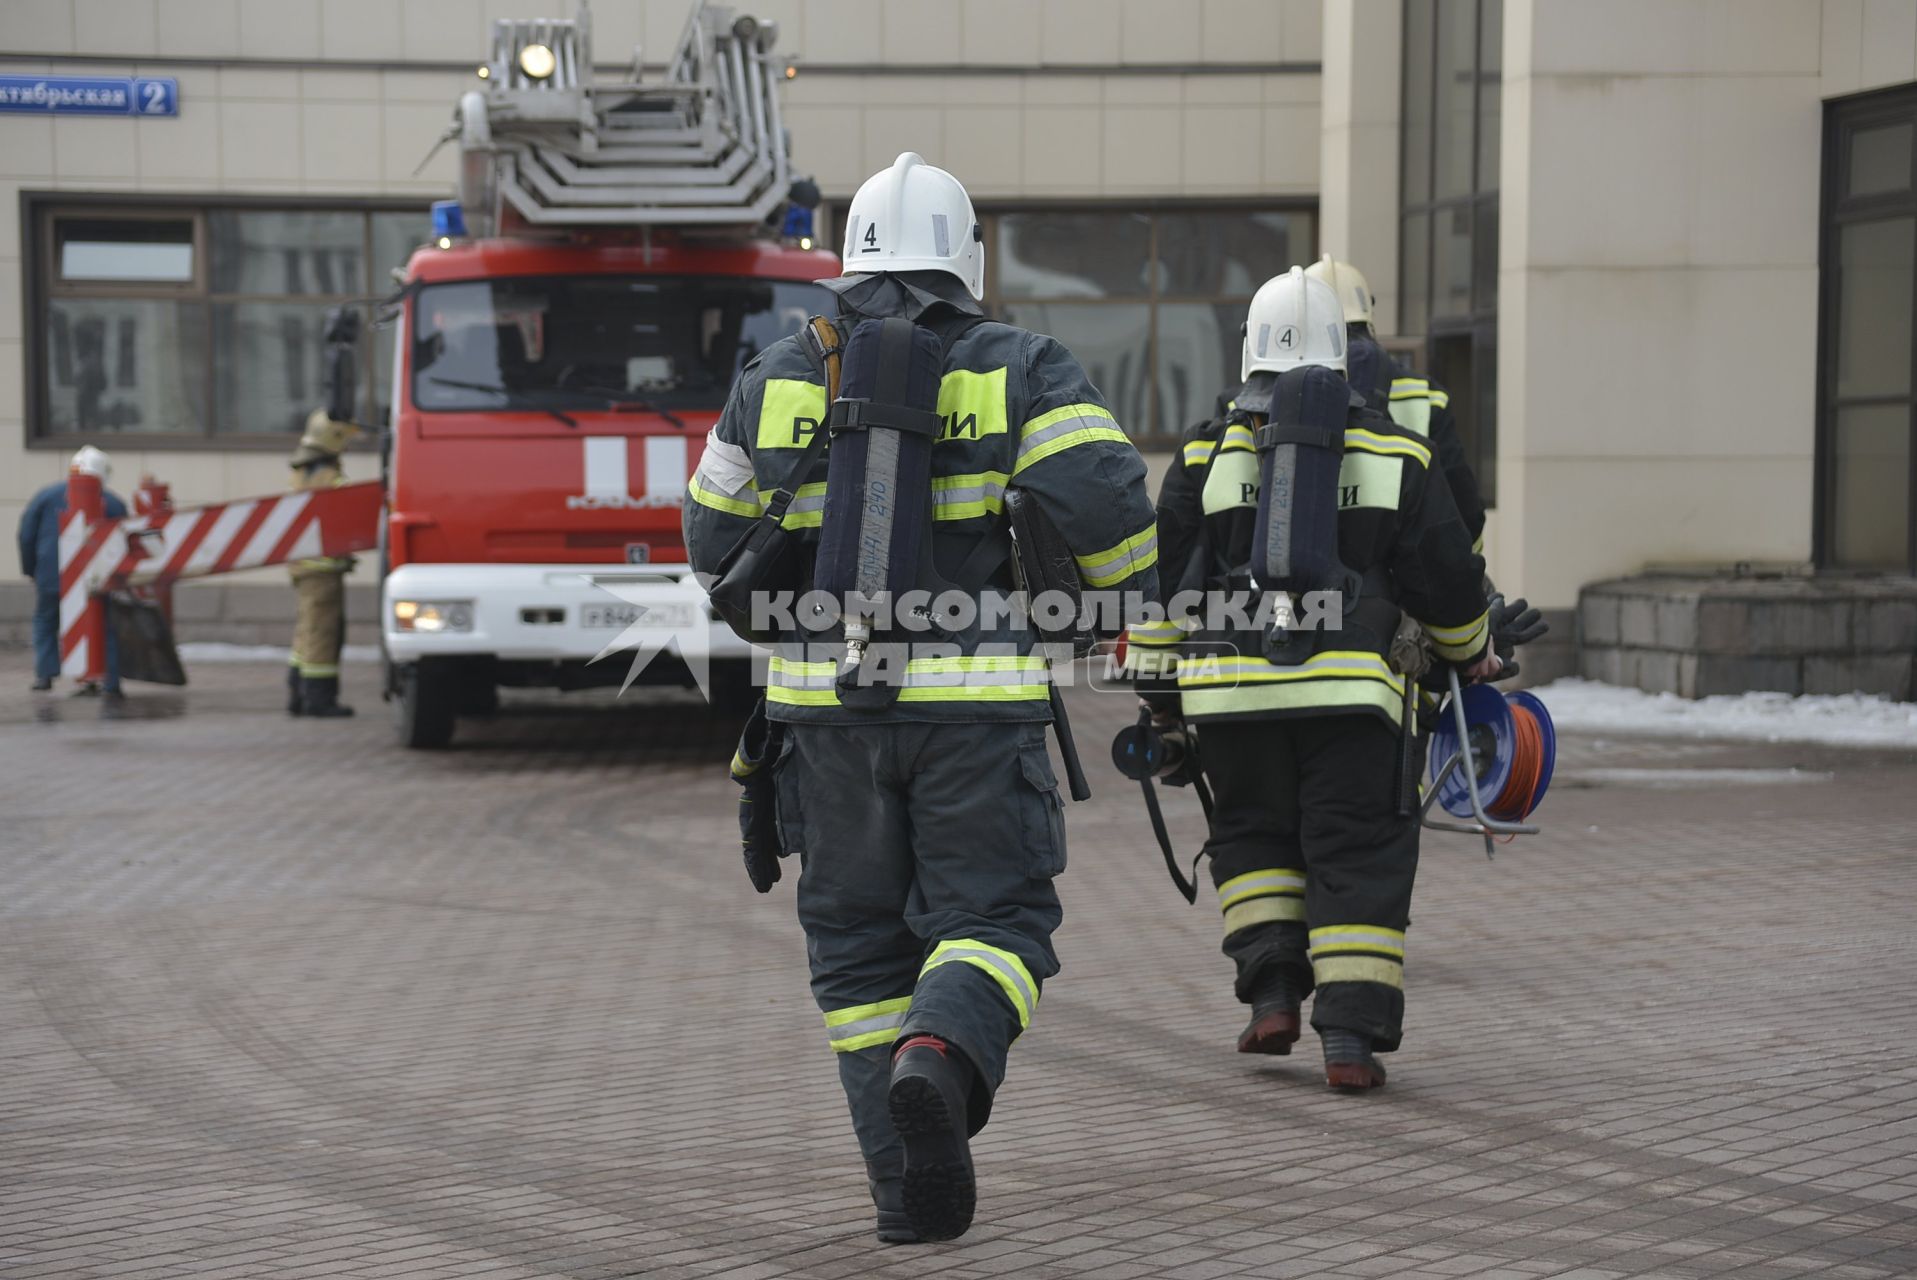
(1663, 252)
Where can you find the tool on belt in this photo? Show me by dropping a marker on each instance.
(1150, 754)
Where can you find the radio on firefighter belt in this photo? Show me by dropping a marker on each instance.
(1300, 438)
(1492, 755)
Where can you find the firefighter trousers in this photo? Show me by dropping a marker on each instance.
(927, 853)
(1313, 865)
(320, 624)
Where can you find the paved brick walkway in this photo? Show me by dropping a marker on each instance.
(278, 999)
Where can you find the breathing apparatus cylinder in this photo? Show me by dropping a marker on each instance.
(1295, 530)
(878, 487)
(1368, 369)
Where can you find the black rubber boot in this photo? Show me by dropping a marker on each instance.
(888, 1195)
(295, 693)
(930, 1082)
(1274, 1021)
(42, 683)
(1350, 1065)
(322, 698)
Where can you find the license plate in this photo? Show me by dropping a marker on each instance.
(610, 617)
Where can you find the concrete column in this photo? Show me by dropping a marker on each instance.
(1358, 157)
(1657, 296)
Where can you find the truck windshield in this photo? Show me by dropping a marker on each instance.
(583, 342)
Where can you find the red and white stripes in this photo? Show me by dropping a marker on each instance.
(195, 542)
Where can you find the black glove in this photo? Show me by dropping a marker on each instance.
(758, 799)
(1513, 623)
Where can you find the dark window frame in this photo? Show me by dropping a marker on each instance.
(1165, 439)
(40, 286)
(1479, 325)
(1843, 117)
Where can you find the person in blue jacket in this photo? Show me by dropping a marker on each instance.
(40, 560)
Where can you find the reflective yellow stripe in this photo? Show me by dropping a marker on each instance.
(1257, 884)
(1198, 452)
(1239, 670)
(801, 697)
(1115, 564)
(1062, 429)
(946, 678)
(791, 411)
(1155, 633)
(1408, 388)
(1239, 436)
(862, 1026)
(318, 670)
(1357, 953)
(977, 693)
(1442, 399)
(1370, 442)
(1477, 545)
(721, 502)
(1458, 644)
(1004, 968)
(1332, 939)
(964, 497)
(1305, 695)
(1264, 911)
(972, 404)
(1387, 973)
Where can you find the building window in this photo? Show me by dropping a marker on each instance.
(1867, 373)
(1151, 302)
(190, 322)
(1448, 237)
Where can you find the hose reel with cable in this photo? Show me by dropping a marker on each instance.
(1492, 756)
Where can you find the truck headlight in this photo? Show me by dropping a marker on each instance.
(432, 616)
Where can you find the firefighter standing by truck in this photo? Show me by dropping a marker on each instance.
(929, 830)
(319, 583)
(1313, 854)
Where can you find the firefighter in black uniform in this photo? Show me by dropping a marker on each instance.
(929, 830)
(1416, 404)
(1311, 854)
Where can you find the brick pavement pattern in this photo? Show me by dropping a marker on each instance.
(280, 999)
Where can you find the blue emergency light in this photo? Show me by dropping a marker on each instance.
(798, 222)
(449, 220)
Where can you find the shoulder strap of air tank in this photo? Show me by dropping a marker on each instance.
(824, 348)
(827, 350)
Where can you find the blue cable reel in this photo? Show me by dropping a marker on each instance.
(1491, 760)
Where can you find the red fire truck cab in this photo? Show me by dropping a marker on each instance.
(549, 402)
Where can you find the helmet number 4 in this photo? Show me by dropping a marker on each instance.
(1288, 338)
(870, 238)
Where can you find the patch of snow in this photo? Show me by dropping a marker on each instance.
(215, 651)
(1845, 720)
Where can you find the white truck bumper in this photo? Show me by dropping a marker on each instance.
(549, 613)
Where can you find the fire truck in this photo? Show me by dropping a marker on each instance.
(618, 251)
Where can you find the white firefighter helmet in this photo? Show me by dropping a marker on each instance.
(1294, 321)
(915, 217)
(325, 435)
(1349, 283)
(89, 461)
